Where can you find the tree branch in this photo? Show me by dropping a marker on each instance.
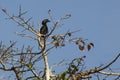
(109, 73)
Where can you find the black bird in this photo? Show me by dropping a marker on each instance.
(44, 28)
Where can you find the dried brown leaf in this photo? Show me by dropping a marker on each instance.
(56, 44)
(81, 48)
(69, 34)
(62, 44)
(61, 37)
(91, 44)
(88, 47)
(54, 37)
(77, 42)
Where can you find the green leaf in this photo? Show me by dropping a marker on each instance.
(34, 79)
(78, 60)
(63, 76)
(51, 79)
(30, 65)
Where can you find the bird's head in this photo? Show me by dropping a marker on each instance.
(45, 21)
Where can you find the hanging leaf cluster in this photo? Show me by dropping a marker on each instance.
(82, 45)
(59, 40)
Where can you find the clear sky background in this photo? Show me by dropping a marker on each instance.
(99, 21)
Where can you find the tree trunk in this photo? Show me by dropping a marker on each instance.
(42, 45)
(47, 71)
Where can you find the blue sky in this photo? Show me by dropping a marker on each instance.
(99, 21)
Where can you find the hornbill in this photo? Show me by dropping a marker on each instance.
(44, 28)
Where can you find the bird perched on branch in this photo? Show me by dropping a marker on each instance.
(43, 32)
(44, 28)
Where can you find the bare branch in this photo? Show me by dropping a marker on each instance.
(110, 63)
(34, 73)
(26, 35)
(86, 74)
(109, 73)
(21, 21)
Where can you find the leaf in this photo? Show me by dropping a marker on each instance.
(34, 79)
(51, 79)
(63, 76)
(88, 47)
(63, 45)
(92, 44)
(30, 65)
(54, 37)
(75, 68)
(77, 42)
(56, 44)
(78, 60)
(81, 48)
(69, 34)
(4, 10)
